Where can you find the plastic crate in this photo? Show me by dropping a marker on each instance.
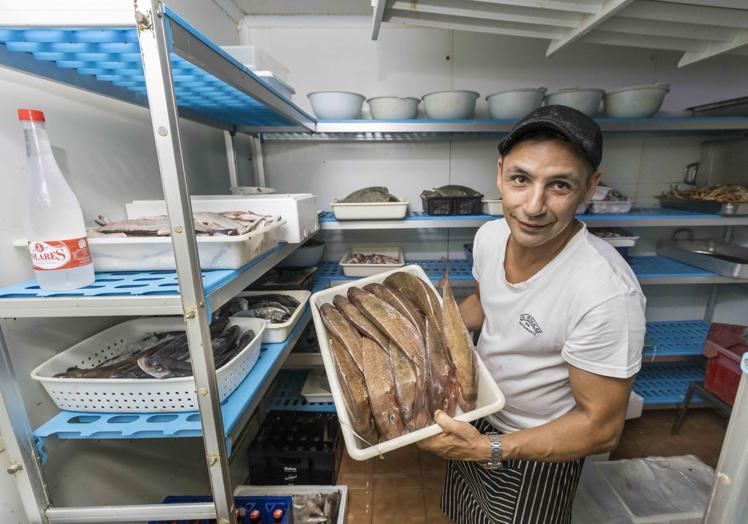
(296, 448)
(724, 348)
(244, 506)
(440, 206)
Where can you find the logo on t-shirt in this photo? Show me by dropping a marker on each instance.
(529, 323)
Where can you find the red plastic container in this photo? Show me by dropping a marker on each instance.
(724, 348)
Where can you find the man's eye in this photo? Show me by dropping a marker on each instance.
(562, 186)
(519, 179)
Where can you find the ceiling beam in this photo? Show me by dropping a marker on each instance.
(376, 17)
(643, 41)
(607, 9)
(687, 14)
(469, 10)
(553, 5)
(709, 33)
(713, 49)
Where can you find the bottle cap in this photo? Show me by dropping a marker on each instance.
(31, 114)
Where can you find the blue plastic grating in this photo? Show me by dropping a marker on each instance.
(112, 56)
(667, 382)
(287, 395)
(79, 425)
(635, 214)
(458, 270)
(677, 338)
(661, 267)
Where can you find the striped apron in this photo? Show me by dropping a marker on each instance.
(523, 492)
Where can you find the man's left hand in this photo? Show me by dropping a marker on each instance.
(460, 441)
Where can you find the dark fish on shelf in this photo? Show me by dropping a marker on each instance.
(370, 194)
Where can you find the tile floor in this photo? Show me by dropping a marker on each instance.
(405, 486)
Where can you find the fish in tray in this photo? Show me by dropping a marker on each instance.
(165, 355)
(273, 307)
(225, 223)
(370, 194)
(415, 356)
(371, 258)
(450, 191)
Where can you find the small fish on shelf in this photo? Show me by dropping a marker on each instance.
(165, 355)
(276, 308)
(225, 223)
(371, 258)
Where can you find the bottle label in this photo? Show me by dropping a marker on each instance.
(49, 255)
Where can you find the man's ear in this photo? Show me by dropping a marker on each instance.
(499, 167)
(594, 180)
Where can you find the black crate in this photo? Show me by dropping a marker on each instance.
(443, 206)
(296, 448)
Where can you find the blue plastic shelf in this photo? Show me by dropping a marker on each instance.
(458, 270)
(108, 60)
(287, 395)
(661, 267)
(667, 382)
(328, 216)
(80, 425)
(677, 338)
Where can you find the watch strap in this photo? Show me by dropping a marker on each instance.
(495, 461)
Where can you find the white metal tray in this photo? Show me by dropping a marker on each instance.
(290, 491)
(299, 210)
(366, 270)
(490, 397)
(370, 210)
(157, 253)
(279, 332)
(137, 395)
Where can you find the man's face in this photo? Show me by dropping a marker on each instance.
(542, 183)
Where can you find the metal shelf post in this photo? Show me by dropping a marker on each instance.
(154, 48)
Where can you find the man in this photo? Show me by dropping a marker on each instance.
(562, 326)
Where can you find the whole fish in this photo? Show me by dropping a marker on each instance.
(354, 392)
(371, 194)
(460, 346)
(443, 387)
(397, 300)
(406, 385)
(158, 366)
(287, 300)
(359, 320)
(339, 327)
(380, 382)
(418, 292)
(272, 313)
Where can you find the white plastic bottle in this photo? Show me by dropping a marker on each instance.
(57, 238)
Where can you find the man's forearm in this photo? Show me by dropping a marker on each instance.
(569, 437)
(472, 312)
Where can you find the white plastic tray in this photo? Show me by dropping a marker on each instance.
(370, 210)
(366, 270)
(138, 395)
(493, 207)
(299, 210)
(603, 207)
(289, 491)
(157, 253)
(622, 241)
(279, 332)
(316, 388)
(490, 397)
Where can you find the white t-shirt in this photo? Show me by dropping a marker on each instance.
(584, 308)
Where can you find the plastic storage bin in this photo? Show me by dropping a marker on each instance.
(296, 448)
(364, 270)
(279, 332)
(370, 210)
(604, 207)
(244, 506)
(299, 210)
(316, 388)
(723, 349)
(294, 491)
(137, 395)
(445, 206)
(490, 396)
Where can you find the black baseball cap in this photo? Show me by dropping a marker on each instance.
(580, 130)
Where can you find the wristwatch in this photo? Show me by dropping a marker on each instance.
(495, 461)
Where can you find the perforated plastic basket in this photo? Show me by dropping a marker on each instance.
(137, 395)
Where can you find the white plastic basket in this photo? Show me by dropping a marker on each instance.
(144, 395)
(157, 253)
(370, 210)
(279, 332)
(490, 397)
(364, 270)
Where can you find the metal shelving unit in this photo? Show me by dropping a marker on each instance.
(149, 57)
(643, 217)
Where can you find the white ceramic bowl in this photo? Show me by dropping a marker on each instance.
(338, 105)
(586, 100)
(450, 104)
(636, 101)
(515, 103)
(393, 107)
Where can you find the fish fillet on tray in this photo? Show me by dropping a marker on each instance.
(394, 352)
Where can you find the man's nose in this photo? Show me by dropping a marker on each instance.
(535, 204)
